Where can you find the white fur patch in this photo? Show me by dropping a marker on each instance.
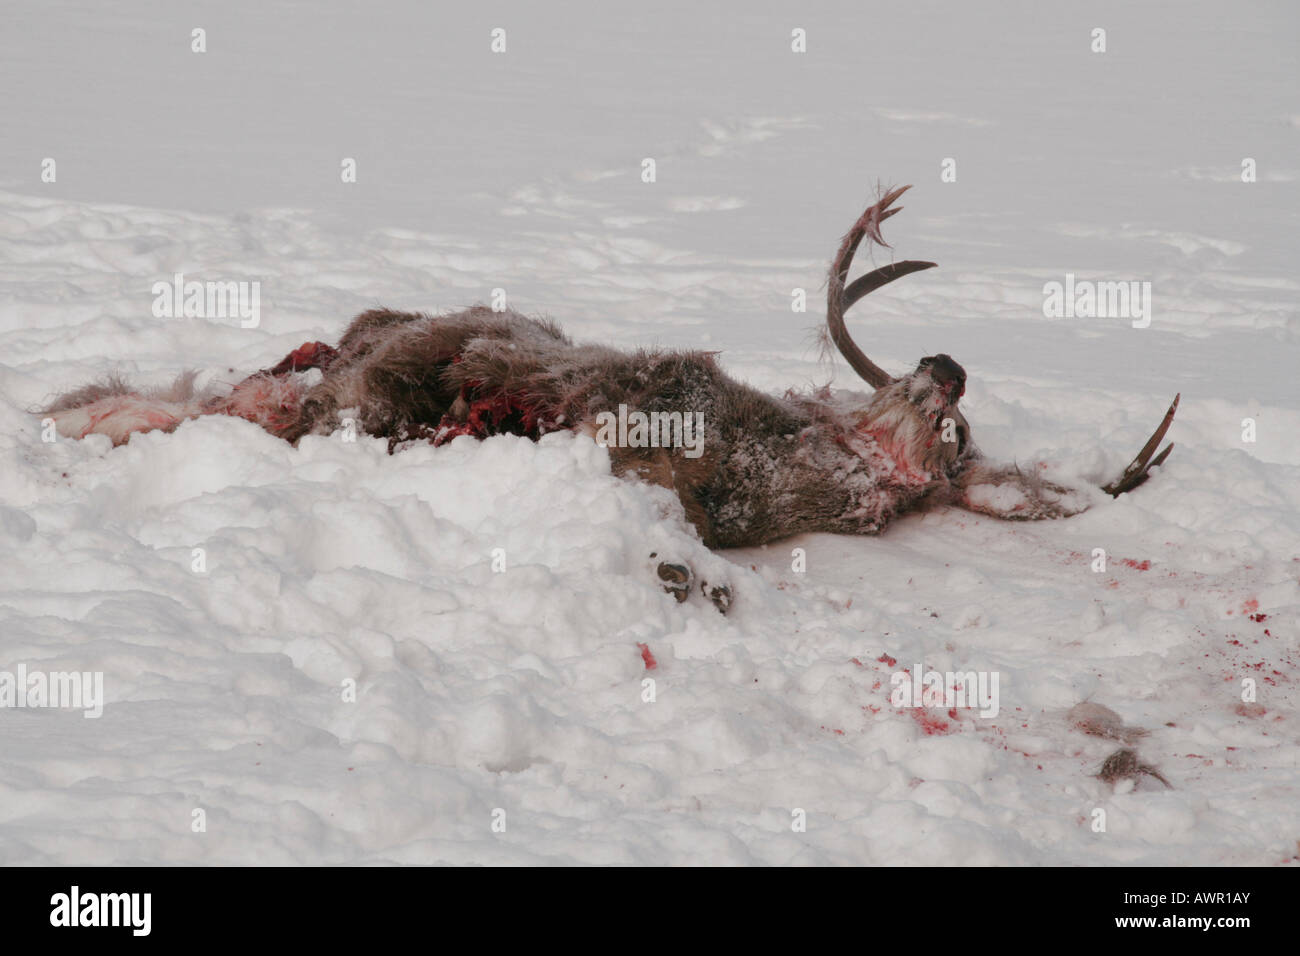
(119, 416)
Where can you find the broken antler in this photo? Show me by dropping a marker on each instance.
(1137, 471)
(839, 299)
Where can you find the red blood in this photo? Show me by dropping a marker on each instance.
(650, 662)
(886, 659)
(929, 724)
(1136, 565)
(495, 413)
(308, 355)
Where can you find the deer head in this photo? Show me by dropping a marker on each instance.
(929, 394)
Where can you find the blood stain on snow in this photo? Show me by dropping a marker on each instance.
(930, 725)
(650, 662)
(1136, 565)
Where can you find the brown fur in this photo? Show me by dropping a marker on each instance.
(771, 467)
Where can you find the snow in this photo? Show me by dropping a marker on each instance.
(478, 690)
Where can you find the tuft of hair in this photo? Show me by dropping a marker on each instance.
(114, 408)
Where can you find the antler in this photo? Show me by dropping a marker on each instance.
(1137, 471)
(839, 299)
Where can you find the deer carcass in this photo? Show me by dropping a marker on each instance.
(764, 467)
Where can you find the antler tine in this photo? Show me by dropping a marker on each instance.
(839, 299)
(1159, 460)
(1137, 471)
(868, 225)
(865, 284)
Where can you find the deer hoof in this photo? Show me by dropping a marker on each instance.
(719, 594)
(676, 579)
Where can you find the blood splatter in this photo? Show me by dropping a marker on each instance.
(930, 725)
(649, 658)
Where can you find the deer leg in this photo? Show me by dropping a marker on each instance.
(1006, 492)
(678, 579)
(655, 465)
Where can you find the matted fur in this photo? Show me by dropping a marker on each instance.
(405, 371)
(770, 466)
